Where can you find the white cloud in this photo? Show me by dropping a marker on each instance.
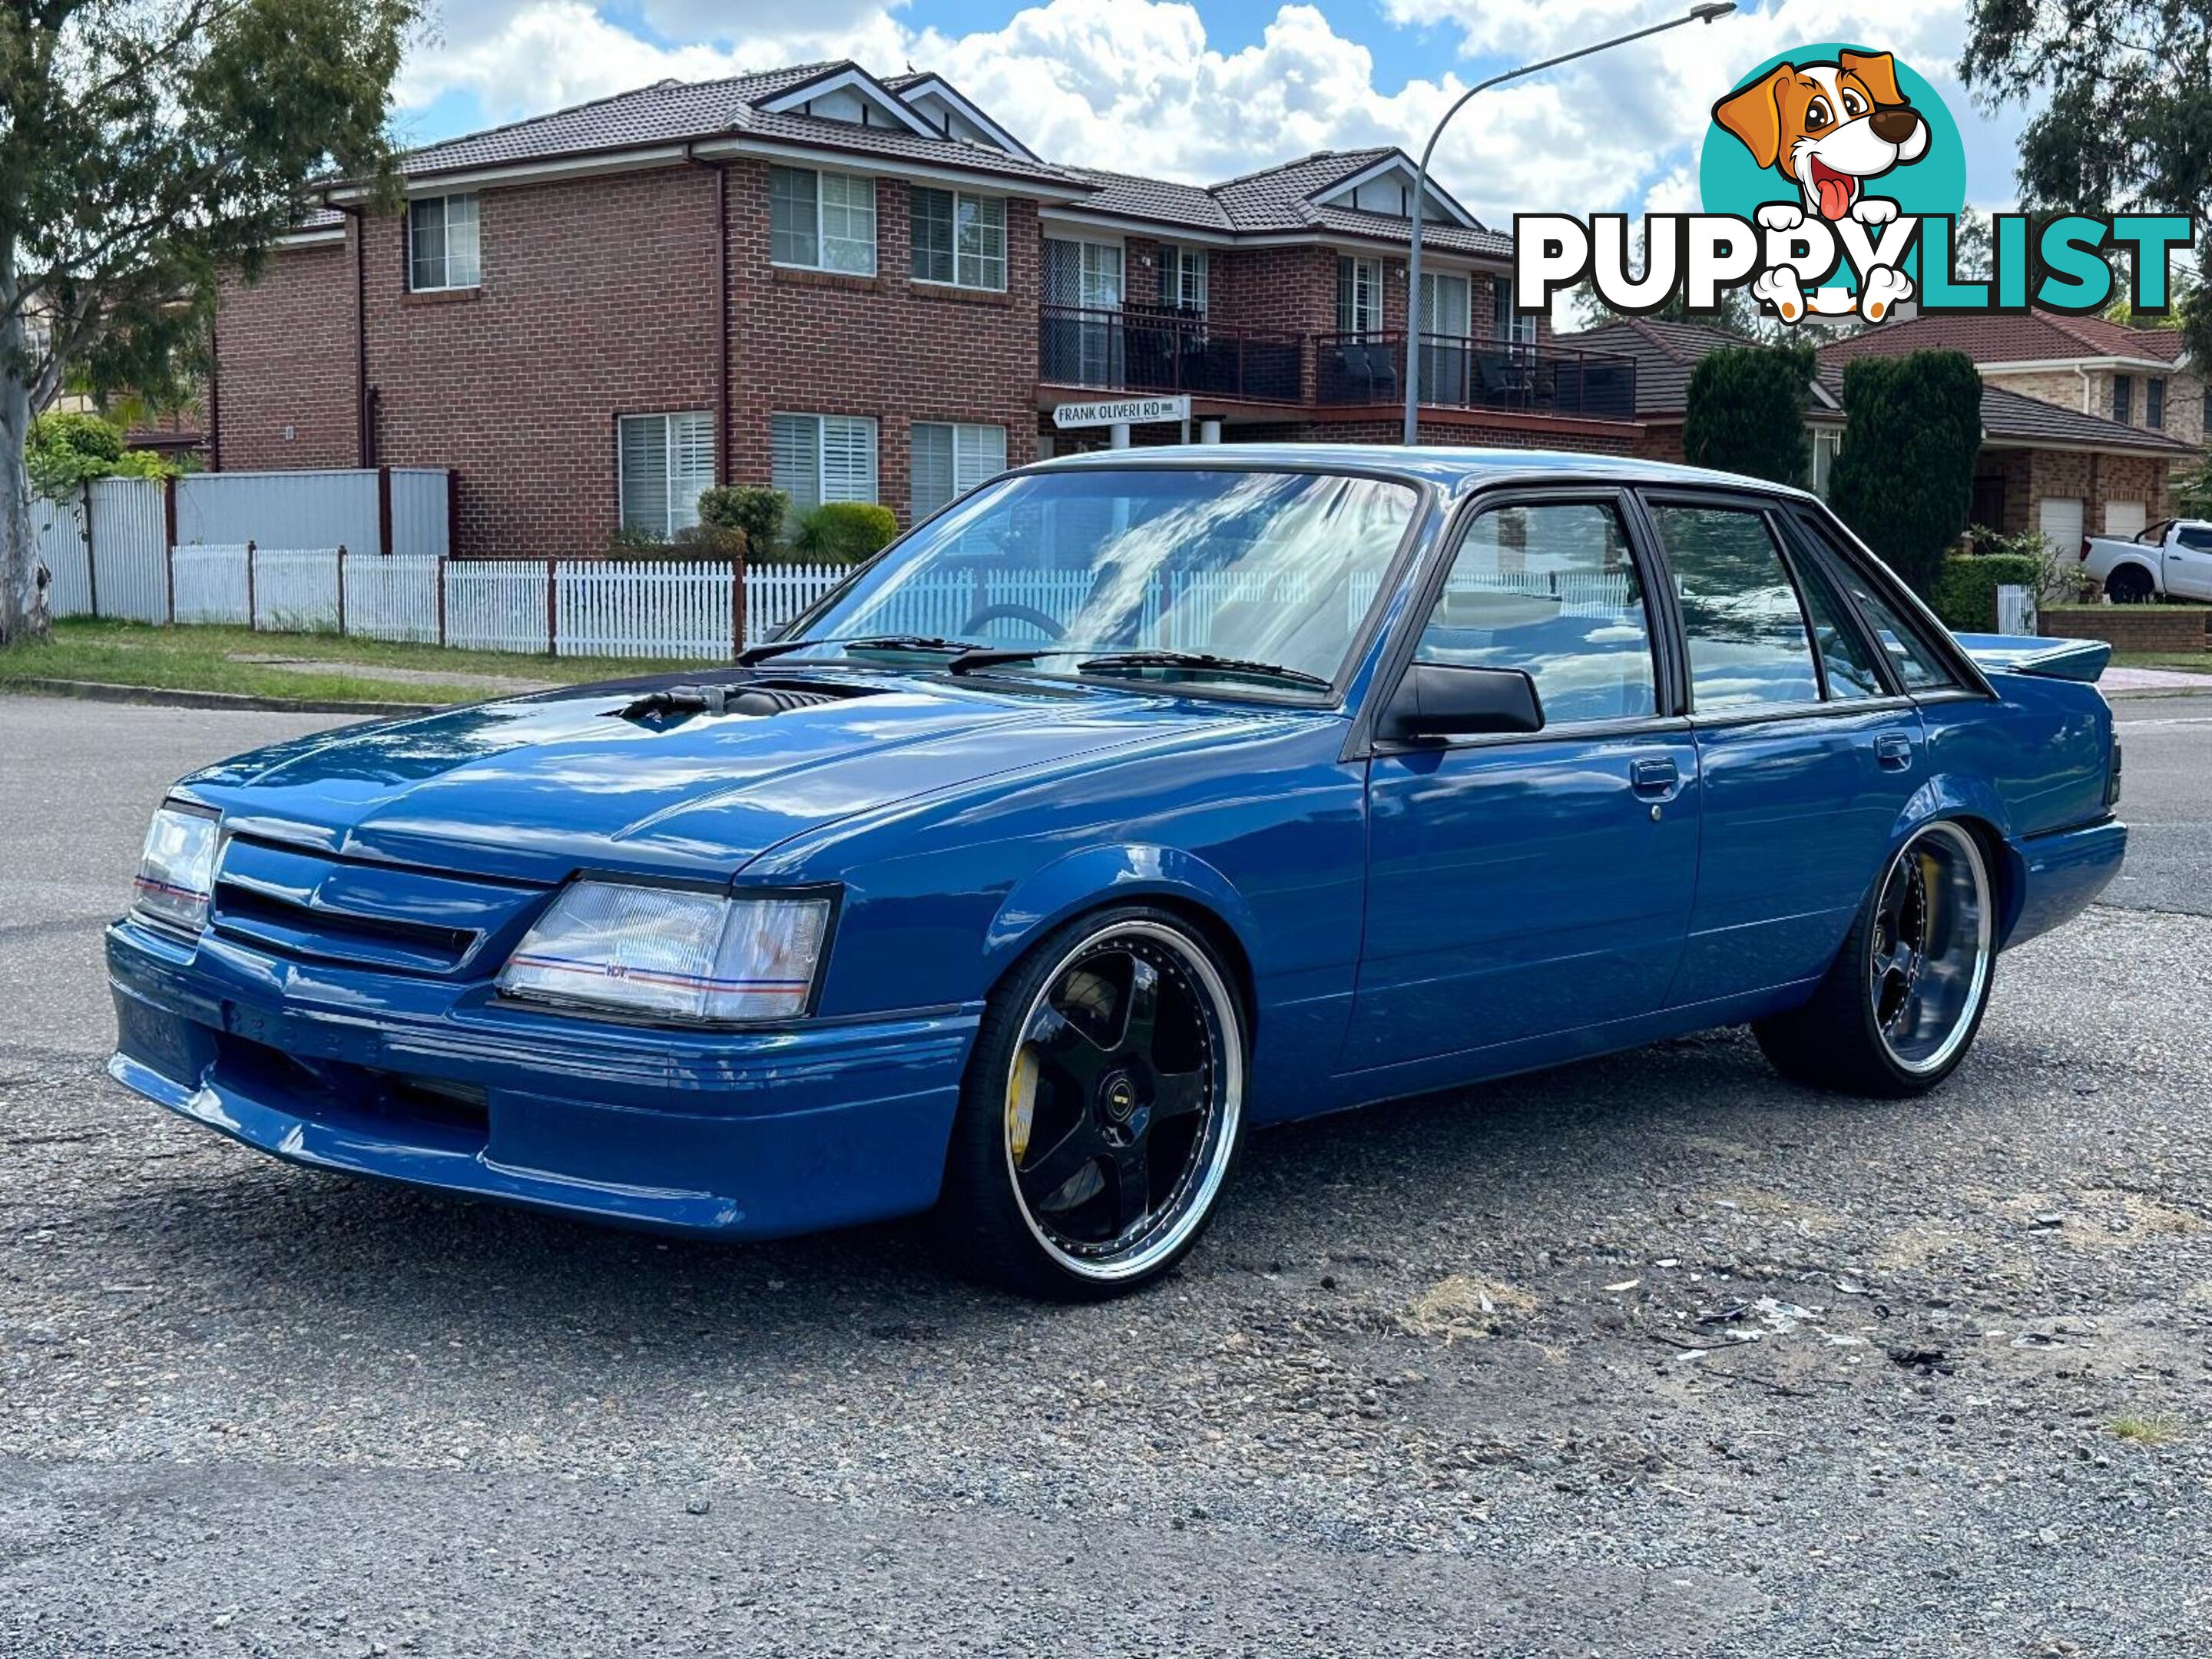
(1136, 86)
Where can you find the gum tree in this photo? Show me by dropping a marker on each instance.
(145, 146)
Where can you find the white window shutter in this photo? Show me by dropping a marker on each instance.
(691, 466)
(795, 458)
(979, 453)
(644, 474)
(934, 465)
(849, 458)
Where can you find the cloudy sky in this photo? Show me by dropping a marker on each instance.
(1204, 89)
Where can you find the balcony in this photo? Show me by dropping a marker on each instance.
(1168, 351)
(1470, 372)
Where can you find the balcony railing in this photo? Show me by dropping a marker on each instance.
(1168, 351)
(1468, 372)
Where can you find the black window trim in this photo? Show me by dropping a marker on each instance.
(1661, 627)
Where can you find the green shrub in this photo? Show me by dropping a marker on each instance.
(1965, 595)
(1904, 477)
(693, 541)
(845, 532)
(67, 450)
(1746, 412)
(753, 510)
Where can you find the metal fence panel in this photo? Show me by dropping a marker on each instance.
(295, 589)
(211, 585)
(393, 598)
(497, 604)
(421, 521)
(280, 509)
(645, 609)
(130, 548)
(58, 528)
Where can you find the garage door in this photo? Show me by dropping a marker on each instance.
(2059, 519)
(2124, 518)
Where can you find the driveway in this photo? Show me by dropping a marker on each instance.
(1652, 1355)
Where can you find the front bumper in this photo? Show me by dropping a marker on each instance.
(734, 1135)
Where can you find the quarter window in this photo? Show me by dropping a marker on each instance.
(950, 460)
(1915, 661)
(442, 245)
(667, 462)
(1740, 617)
(821, 221)
(959, 239)
(822, 458)
(1549, 589)
(1847, 663)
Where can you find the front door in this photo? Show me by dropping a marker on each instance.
(1522, 886)
(1446, 320)
(1807, 755)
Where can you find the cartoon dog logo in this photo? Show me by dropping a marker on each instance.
(1828, 128)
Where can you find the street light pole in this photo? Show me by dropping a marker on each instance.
(1698, 13)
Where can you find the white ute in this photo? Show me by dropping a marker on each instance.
(2171, 560)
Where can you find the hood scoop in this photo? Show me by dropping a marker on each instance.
(672, 706)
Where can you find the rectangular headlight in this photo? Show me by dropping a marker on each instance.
(176, 872)
(671, 954)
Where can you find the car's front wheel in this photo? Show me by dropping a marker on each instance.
(1901, 1004)
(1101, 1108)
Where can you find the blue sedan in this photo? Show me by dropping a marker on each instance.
(1135, 800)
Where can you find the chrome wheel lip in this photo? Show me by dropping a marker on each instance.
(1961, 845)
(1198, 1203)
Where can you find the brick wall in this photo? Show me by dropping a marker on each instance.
(2130, 627)
(286, 361)
(805, 343)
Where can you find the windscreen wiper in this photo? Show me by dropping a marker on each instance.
(753, 654)
(1204, 662)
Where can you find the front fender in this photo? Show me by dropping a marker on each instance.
(1082, 880)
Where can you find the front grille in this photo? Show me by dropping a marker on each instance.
(318, 907)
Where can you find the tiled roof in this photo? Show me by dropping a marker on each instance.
(2029, 419)
(674, 112)
(1665, 353)
(1990, 337)
(1274, 200)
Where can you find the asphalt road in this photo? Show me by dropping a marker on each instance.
(1428, 1386)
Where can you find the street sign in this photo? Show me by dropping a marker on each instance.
(1130, 411)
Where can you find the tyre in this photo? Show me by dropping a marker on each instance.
(2129, 585)
(1900, 1005)
(1101, 1108)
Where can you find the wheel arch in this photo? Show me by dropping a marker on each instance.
(2130, 561)
(1975, 806)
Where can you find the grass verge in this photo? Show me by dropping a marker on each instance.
(2194, 662)
(189, 658)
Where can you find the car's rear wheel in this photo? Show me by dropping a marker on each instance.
(1900, 1005)
(2129, 585)
(1101, 1108)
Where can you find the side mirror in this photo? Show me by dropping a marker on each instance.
(1437, 700)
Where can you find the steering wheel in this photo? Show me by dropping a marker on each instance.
(1022, 613)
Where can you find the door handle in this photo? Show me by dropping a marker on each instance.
(1655, 778)
(1893, 750)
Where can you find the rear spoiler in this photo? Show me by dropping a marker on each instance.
(2052, 659)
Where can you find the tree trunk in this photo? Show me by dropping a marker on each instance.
(22, 577)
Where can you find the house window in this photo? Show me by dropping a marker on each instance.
(950, 460)
(666, 462)
(821, 221)
(959, 239)
(2124, 386)
(442, 243)
(1505, 322)
(1359, 295)
(822, 458)
(1183, 279)
(1827, 444)
(2155, 401)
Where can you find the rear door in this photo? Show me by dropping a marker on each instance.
(1807, 751)
(1523, 885)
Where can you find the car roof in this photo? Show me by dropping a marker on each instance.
(1451, 469)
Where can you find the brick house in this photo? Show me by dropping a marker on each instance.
(853, 289)
(2042, 463)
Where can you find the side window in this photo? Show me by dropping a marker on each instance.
(1740, 618)
(1844, 658)
(1915, 661)
(1549, 588)
(2198, 541)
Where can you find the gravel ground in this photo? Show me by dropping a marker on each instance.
(1652, 1355)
